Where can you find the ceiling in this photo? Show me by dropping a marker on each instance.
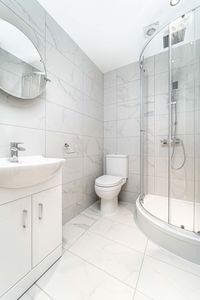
(111, 32)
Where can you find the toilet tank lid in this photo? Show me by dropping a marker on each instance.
(117, 155)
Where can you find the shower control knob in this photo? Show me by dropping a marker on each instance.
(164, 142)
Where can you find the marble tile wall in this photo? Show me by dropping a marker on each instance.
(122, 122)
(70, 111)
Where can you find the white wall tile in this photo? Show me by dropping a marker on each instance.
(64, 94)
(33, 139)
(128, 73)
(128, 91)
(110, 129)
(128, 110)
(69, 111)
(63, 68)
(129, 127)
(31, 12)
(110, 112)
(61, 119)
(17, 112)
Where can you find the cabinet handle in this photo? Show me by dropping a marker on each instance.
(24, 218)
(40, 216)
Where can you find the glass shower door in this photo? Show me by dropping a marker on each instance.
(182, 122)
(197, 121)
(154, 126)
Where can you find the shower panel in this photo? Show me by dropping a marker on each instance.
(170, 160)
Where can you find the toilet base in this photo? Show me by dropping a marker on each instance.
(109, 207)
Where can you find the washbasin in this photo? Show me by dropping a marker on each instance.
(29, 171)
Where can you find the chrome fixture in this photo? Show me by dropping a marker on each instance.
(67, 149)
(14, 148)
(175, 141)
(174, 2)
(174, 123)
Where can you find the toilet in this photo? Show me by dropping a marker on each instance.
(108, 186)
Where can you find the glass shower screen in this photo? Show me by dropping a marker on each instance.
(170, 143)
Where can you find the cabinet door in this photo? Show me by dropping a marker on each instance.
(15, 242)
(46, 223)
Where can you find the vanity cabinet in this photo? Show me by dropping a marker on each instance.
(30, 226)
(46, 223)
(15, 242)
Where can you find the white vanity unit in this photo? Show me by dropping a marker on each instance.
(30, 221)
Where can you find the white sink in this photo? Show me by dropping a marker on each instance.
(29, 171)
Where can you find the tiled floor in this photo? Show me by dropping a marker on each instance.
(110, 259)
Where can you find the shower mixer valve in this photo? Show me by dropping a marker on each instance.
(165, 142)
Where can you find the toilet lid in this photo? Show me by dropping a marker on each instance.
(108, 180)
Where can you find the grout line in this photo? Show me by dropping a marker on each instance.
(140, 269)
(149, 298)
(114, 241)
(69, 250)
(31, 24)
(100, 120)
(44, 292)
(172, 265)
(83, 232)
(100, 269)
(21, 126)
(52, 131)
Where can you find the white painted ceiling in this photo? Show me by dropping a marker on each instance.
(111, 32)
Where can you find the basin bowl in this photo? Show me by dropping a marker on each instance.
(29, 171)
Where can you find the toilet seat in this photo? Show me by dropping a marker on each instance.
(108, 181)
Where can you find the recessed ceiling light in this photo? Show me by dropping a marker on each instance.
(174, 2)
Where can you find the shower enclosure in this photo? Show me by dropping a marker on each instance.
(168, 208)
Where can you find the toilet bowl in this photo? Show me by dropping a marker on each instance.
(108, 186)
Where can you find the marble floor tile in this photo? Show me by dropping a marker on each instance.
(75, 228)
(93, 211)
(161, 281)
(83, 221)
(119, 261)
(74, 279)
(140, 296)
(35, 293)
(162, 254)
(124, 215)
(126, 235)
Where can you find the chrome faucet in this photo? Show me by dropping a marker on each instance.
(14, 148)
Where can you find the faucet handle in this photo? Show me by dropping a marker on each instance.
(16, 145)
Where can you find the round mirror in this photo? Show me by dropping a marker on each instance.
(22, 71)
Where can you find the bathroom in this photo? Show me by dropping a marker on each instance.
(99, 151)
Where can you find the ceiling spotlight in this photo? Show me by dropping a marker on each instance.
(174, 2)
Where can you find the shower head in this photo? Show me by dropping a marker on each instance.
(176, 38)
(178, 30)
